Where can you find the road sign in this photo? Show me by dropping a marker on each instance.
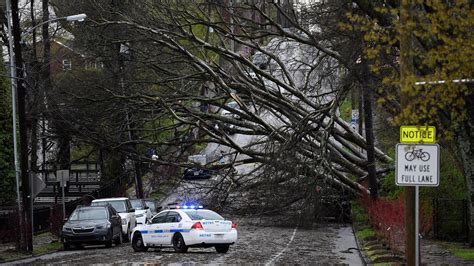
(62, 176)
(417, 165)
(417, 134)
(37, 185)
(354, 118)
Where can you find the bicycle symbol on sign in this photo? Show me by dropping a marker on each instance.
(417, 154)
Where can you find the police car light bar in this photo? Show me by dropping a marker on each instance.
(189, 207)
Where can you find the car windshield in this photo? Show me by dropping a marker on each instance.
(88, 214)
(233, 105)
(137, 204)
(151, 204)
(203, 215)
(119, 205)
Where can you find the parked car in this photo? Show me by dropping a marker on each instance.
(142, 212)
(196, 173)
(92, 225)
(184, 227)
(153, 205)
(124, 209)
(230, 128)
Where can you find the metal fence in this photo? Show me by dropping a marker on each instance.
(450, 219)
(50, 217)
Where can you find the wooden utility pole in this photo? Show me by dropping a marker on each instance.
(21, 101)
(406, 70)
(369, 131)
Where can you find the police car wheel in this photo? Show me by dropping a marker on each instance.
(178, 244)
(66, 246)
(137, 243)
(222, 248)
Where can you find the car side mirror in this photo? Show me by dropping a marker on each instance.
(131, 210)
(146, 207)
(147, 221)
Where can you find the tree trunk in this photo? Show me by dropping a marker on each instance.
(465, 143)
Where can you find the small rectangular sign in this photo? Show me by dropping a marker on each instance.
(417, 134)
(417, 165)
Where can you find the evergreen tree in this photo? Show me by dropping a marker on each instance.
(7, 169)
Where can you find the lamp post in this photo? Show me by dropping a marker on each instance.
(18, 104)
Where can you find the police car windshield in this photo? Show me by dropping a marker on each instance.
(88, 214)
(203, 215)
(118, 205)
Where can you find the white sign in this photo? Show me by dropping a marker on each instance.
(37, 185)
(417, 165)
(62, 176)
(355, 114)
(354, 118)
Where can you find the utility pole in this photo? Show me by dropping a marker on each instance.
(21, 101)
(14, 84)
(406, 70)
(369, 130)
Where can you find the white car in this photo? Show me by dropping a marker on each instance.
(228, 113)
(142, 212)
(124, 209)
(183, 227)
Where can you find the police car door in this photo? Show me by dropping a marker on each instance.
(171, 226)
(154, 230)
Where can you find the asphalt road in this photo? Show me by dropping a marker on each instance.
(323, 244)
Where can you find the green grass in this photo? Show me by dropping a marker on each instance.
(467, 254)
(365, 233)
(41, 249)
(459, 250)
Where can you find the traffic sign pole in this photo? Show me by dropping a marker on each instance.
(416, 165)
(417, 225)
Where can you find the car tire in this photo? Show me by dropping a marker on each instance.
(178, 244)
(119, 239)
(66, 246)
(137, 243)
(110, 241)
(222, 248)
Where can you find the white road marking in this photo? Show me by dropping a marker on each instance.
(275, 257)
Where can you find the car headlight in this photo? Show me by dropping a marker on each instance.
(124, 221)
(101, 226)
(65, 228)
(139, 215)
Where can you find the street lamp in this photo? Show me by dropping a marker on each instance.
(78, 17)
(20, 100)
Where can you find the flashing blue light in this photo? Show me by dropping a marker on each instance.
(192, 206)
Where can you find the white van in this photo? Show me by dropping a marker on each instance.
(124, 209)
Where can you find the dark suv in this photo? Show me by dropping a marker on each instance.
(92, 225)
(196, 173)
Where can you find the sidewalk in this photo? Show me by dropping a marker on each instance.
(42, 244)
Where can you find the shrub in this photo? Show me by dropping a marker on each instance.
(388, 219)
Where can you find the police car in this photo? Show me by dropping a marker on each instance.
(185, 226)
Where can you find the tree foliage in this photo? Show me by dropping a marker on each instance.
(442, 55)
(7, 168)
